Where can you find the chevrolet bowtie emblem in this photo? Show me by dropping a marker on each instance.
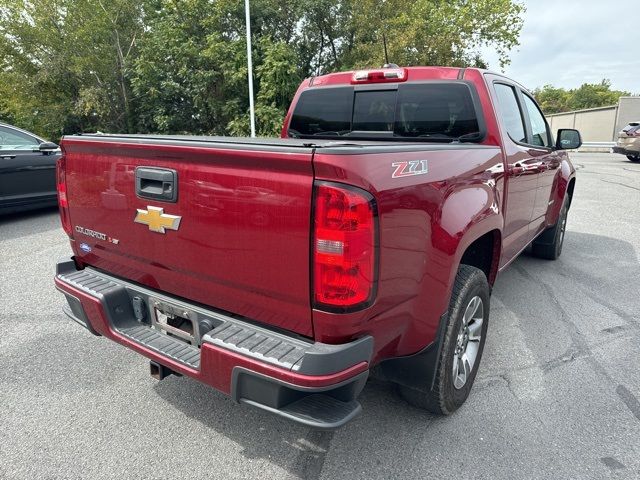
(157, 220)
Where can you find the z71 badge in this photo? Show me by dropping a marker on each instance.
(408, 168)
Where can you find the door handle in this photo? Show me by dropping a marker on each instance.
(157, 183)
(518, 169)
(7, 157)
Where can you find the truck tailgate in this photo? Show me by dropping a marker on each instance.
(236, 237)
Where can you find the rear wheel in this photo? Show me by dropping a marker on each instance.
(462, 347)
(549, 244)
(633, 159)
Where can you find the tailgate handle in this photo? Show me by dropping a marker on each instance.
(157, 183)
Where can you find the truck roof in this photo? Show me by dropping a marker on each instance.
(413, 74)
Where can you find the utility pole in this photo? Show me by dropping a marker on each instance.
(250, 69)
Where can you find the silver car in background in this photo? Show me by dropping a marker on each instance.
(629, 142)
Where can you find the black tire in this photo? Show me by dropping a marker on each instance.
(445, 398)
(549, 244)
(634, 159)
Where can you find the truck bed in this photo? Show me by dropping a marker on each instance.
(243, 207)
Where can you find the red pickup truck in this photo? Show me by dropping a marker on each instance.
(283, 271)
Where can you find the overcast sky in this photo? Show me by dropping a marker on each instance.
(569, 42)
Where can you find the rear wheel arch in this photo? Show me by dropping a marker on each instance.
(417, 371)
(437, 390)
(484, 254)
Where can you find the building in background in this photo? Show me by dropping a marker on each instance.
(599, 125)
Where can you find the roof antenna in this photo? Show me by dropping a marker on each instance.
(386, 54)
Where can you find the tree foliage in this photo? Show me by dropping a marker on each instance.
(179, 66)
(66, 65)
(427, 32)
(588, 95)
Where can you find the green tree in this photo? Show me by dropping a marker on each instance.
(65, 64)
(588, 95)
(432, 32)
(552, 99)
(191, 73)
(595, 95)
(179, 66)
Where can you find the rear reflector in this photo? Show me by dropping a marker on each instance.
(63, 201)
(345, 244)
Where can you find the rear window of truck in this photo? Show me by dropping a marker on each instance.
(442, 112)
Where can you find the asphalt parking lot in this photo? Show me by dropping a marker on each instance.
(557, 395)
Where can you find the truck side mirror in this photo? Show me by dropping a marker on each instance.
(568, 139)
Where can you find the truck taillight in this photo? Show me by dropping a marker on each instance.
(63, 201)
(344, 247)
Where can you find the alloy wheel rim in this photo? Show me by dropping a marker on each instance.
(467, 347)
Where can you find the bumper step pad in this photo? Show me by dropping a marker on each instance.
(255, 342)
(164, 344)
(325, 407)
(230, 333)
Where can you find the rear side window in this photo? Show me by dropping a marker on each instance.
(11, 139)
(421, 111)
(540, 135)
(510, 112)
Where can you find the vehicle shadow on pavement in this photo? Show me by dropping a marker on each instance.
(603, 266)
(389, 427)
(22, 224)
(588, 300)
(586, 296)
(300, 450)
